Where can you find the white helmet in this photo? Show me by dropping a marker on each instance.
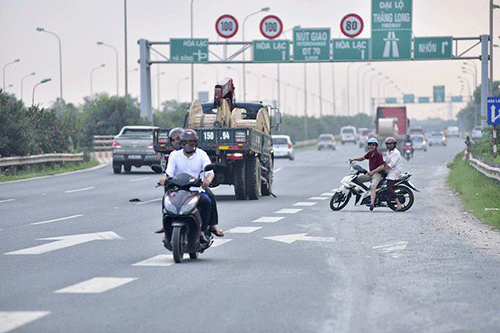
(372, 140)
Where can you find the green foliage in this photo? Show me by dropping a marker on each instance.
(478, 192)
(173, 115)
(50, 134)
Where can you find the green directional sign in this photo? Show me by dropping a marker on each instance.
(438, 94)
(456, 99)
(351, 49)
(311, 44)
(188, 50)
(433, 48)
(424, 99)
(391, 100)
(409, 98)
(391, 29)
(271, 50)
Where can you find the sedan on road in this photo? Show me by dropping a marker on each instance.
(437, 139)
(419, 142)
(283, 147)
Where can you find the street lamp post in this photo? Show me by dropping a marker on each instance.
(363, 84)
(60, 60)
(265, 9)
(7, 64)
(357, 85)
(31, 74)
(33, 95)
(178, 88)
(91, 73)
(116, 55)
(158, 88)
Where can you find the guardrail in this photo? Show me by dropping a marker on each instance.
(484, 168)
(36, 159)
(103, 142)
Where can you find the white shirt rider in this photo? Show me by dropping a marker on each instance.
(178, 163)
(393, 160)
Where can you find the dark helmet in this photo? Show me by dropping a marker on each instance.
(175, 132)
(186, 136)
(391, 140)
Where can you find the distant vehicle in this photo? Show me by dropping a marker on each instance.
(419, 142)
(283, 147)
(437, 138)
(348, 134)
(417, 130)
(363, 135)
(327, 141)
(453, 131)
(476, 133)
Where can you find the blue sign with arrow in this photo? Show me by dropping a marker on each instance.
(493, 110)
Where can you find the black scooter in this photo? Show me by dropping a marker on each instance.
(181, 217)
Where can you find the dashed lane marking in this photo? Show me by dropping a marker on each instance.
(80, 189)
(288, 211)
(57, 220)
(392, 248)
(219, 242)
(139, 179)
(159, 260)
(318, 198)
(305, 203)
(6, 200)
(95, 285)
(14, 319)
(242, 230)
(269, 219)
(327, 194)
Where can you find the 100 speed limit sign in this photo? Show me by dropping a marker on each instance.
(271, 26)
(226, 26)
(351, 25)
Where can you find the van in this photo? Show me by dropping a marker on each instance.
(348, 134)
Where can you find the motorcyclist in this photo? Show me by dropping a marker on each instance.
(193, 160)
(408, 140)
(376, 164)
(393, 163)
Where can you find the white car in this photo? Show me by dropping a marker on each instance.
(453, 131)
(348, 134)
(327, 141)
(476, 133)
(419, 142)
(437, 138)
(283, 147)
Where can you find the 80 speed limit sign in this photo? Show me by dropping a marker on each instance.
(226, 26)
(351, 25)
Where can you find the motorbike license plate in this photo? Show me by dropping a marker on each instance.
(134, 157)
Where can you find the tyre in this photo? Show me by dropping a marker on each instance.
(339, 200)
(267, 187)
(117, 168)
(405, 196)
(253, 177)
(178, 241)
(194, 255)
(240, 189)
(127, 168)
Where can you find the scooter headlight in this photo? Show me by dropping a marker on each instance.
(189, 206)
(169, 206)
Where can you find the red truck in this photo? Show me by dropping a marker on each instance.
(391, 121)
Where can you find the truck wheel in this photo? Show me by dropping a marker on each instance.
(239, 180)
(267, 188)
(253, 175)
(127, 168)
(117, 168)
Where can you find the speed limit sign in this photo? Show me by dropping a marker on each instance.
(271, 26)
(351, 25)
(226, 26)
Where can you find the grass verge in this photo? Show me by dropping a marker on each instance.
(46, 171)
(480, 194)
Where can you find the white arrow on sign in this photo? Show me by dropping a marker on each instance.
(289, 239)
(67, 241)
(494, 117)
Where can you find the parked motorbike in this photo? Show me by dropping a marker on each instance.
(408, 150)
(181, 217)
(351, 186)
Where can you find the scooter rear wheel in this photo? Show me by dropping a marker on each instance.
(179, 236)
(405, 196)
(339, 200)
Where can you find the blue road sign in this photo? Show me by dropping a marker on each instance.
(493, 110)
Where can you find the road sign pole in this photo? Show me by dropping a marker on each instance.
(484, 79)
(145, 80)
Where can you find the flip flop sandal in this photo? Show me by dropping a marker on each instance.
(217, 232)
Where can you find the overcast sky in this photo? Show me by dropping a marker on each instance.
(81, 23)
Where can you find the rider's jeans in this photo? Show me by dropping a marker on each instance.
(205, 207)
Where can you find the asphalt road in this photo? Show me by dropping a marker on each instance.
(79, 256)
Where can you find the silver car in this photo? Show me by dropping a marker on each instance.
(419, 142)
(437, 139)
(283, 147)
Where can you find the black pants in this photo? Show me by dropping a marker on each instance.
(214, 217)
(390, 187)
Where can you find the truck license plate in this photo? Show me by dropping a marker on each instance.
(134, 157)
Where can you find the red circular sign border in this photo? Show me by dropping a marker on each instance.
(226, 16)
(275, 17)
(348, 16)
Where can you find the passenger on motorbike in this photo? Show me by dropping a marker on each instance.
(376, 164)
(393, 163)
(192, 160)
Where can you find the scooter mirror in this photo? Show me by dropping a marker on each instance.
(156, 168)
(209, 167)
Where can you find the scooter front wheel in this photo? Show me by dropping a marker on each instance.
(179, 236)
(339, 200)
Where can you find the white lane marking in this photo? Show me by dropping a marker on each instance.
(159, 260)
(277, 170)
(288, 211)
(80, 189)
(67, 241)
(219, 242)
(328, 194)
(269, 219)
(139, 179)
(145, 202)
(6, 200)
(95, 285)
(392, 247)
(243, 230)
(59, 219)
(10, 320)
(317, 198)
(305, 203)
(289, 239)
